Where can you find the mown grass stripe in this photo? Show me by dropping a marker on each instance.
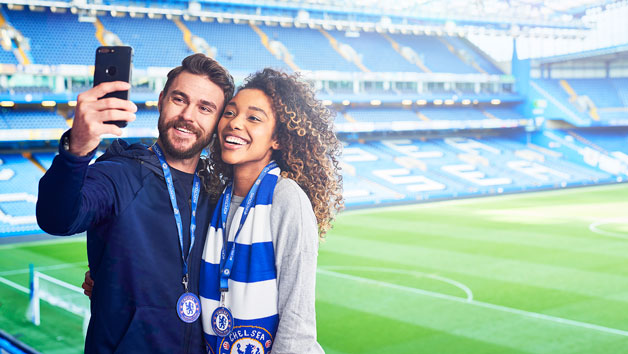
(477, 303)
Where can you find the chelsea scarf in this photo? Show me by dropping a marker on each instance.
(252, 294)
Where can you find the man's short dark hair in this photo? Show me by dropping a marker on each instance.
(200, 64)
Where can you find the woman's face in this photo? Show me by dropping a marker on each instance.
(247, 130)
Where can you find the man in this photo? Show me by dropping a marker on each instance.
(136, 204)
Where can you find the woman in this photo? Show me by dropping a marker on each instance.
(278, 154)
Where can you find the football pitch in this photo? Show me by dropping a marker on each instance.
(542, 272)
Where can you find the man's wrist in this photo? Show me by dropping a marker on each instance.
(65, 147)
(65, 142)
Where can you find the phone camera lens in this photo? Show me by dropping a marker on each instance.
(111, 70)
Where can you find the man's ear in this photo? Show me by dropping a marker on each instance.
(161, 95)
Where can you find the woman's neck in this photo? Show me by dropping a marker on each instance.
(244, 177)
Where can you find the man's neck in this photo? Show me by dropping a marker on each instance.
(183, 165)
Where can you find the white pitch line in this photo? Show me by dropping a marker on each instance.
(478, 303)
(594, 227)
(43, 268)
(457, 284)
(14, 285)
(58, 240)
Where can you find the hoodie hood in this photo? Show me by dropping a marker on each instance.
(121, 149)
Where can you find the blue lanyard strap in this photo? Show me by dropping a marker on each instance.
(196, 191)
(226, 263)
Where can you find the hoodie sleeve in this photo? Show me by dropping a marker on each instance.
(74, 195)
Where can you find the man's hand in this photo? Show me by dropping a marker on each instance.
(88, 285)
(91, 114)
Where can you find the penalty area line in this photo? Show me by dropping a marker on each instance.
(14, 285)
(524, 313)
(43, 268)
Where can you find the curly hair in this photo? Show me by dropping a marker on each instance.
(309, 147)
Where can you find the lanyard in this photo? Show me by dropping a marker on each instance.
(196, 191)
(226, 263)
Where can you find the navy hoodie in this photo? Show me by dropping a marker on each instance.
(132, 245)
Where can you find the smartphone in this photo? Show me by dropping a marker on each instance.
(114, 64)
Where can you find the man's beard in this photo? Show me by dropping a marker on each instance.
(169, 147)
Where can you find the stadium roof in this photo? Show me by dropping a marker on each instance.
(532, 18)
(539, 10)
(606, 55)
(517, 8)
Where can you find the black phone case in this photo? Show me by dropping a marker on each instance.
(113, 64)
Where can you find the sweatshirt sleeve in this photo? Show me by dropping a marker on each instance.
(72, 195)
(295, 234)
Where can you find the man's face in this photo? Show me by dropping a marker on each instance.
(188, 114)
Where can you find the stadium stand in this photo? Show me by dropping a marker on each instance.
(598, 100)
(146, 118)
(601, 91)
(7, 57)
(393, 152)
(19, 178)
(452, 113)
(459, 166)
(32, 119)
(238, 47)
(434, 53)
(49, 40)
(142, 37)
(301, 44)
(3, 123)
(382, 115)
(473, 56)
(44, 158)
(501, 112)
(374, 51)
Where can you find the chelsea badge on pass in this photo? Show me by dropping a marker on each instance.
(222, 321)
(188, 307)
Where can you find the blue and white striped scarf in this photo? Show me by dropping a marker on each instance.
(252, 295)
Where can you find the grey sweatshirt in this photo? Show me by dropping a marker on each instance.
(295, 239)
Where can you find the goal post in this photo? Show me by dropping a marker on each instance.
(57, 293)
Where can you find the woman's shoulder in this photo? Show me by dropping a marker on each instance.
(289, 198)
(288, 192)
(292, 218)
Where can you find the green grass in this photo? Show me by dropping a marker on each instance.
(59, 331)
(529, 273)
(541, 280)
